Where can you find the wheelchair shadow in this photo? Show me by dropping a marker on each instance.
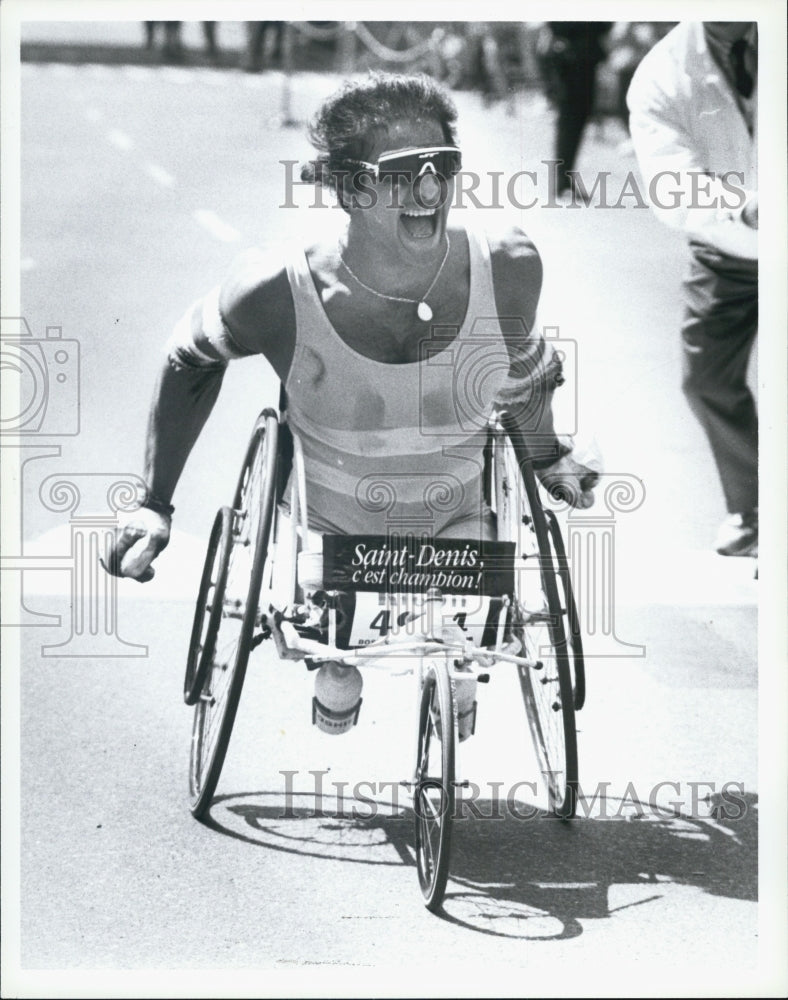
(530, 877)
(537, 879)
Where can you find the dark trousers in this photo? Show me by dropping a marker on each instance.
(574, 103)
(720, 323)
(255, 42)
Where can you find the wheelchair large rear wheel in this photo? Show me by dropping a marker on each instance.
(224, 675)
(433, 797)
(539, 621)
(210, 601)
(569, 610)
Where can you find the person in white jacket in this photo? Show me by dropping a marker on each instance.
(693, 121)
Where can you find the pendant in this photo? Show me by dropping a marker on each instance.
(424, 312)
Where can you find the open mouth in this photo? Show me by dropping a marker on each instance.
(420, 223)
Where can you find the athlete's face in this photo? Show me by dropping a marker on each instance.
(408, 214)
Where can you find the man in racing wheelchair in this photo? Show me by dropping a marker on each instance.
(393, 345)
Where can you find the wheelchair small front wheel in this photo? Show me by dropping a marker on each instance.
(434, 792)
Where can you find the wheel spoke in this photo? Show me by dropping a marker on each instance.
(434, 783)
(425, 797)
(431, 850)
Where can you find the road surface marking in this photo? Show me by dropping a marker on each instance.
(216, 227)
(120, 139)
(159, 174)
(565, 885)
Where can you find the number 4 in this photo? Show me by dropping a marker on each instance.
(381, 622)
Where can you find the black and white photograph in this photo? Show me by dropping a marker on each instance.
(386, 436)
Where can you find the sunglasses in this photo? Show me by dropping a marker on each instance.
(445, 161)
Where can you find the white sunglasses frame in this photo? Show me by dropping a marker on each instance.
(395, 153)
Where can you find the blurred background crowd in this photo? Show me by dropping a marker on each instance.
(494, 58)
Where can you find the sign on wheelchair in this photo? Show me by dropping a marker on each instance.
(385, 579)
(449, 612)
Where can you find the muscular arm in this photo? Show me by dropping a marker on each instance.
(252, 313)
(182, 402)
(535, 370)
(247, 315)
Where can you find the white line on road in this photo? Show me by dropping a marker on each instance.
(159, 174)
(221, 230)
(120, 139)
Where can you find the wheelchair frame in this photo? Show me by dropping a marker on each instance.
(236, 599)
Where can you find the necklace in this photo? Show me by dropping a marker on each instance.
(423, 311)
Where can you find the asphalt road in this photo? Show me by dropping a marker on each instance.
(139, 186)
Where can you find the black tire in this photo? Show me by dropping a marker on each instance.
(569, 607)
(434, 792)
(539, 620)
(220, 694)
(208, 610)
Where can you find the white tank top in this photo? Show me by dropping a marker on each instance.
(395, 447)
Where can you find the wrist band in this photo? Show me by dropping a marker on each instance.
(152, 502)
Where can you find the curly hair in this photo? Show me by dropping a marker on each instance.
(350, 121)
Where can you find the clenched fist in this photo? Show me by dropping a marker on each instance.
(570, 481)
(136, 544)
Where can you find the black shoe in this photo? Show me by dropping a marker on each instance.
(738, 535)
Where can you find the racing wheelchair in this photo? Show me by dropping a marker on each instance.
(261, 582)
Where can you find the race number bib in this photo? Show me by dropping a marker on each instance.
(379, 615)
